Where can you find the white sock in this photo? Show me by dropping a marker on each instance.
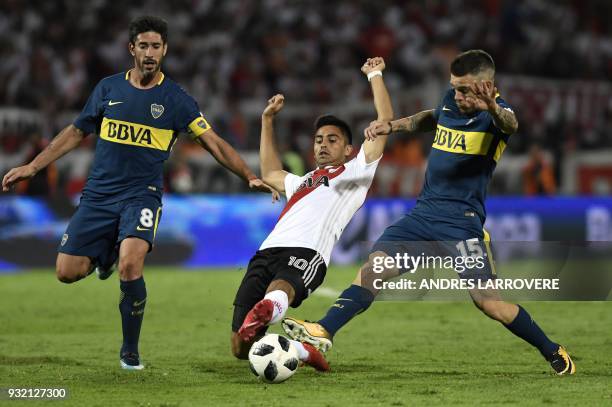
(281, 303)
(302, 352)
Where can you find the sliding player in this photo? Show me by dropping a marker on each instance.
(291, 263)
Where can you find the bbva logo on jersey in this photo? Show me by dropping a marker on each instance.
(449, 139)
(312, 183)
(463, 142)
(136, 134)
(120, 131)
(156, 110)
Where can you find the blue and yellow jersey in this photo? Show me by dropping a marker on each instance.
(465, 151)
(137, 129)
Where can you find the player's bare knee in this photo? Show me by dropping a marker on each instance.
(70, 270)
(130, 268)
(64, 275)
(132, 253)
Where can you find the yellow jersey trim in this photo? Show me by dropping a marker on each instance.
(499, 150)
(462, 142)
(198, 126)
(487, 242)
(156, 221)
(134, 134)
(127, 76)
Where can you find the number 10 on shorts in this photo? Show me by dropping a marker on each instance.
(299, 264)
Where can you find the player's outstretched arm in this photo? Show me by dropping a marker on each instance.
(373, 67)
(418, 123)
(68, 139)
(230, 159)
(271, 166)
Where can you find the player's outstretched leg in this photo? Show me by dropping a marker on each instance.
(308, 332)
(270, 310)
(354, 300)
(132, 300)
(518, 321)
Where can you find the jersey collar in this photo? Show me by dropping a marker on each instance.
(328, 169)
(127, 76)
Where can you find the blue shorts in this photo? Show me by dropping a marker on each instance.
(96, 229)
(459, 237)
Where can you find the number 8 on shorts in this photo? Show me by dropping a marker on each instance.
(146, 217)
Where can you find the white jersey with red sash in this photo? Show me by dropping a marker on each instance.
(320, 205)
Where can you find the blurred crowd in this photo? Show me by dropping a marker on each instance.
(232, 55)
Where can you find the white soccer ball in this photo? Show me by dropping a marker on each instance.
(273, 358)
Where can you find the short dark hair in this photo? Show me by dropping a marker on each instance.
(145, 24)
(331, 120)
(472, 62)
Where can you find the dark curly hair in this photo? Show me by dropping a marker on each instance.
(148, 23)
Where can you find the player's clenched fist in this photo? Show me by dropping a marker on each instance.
(16, 175)
(377, 128)
(275, 104)
(373, 64)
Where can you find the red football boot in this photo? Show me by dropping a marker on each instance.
(257, 318)
(315, 358)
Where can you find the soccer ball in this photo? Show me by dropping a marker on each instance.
(273, 358)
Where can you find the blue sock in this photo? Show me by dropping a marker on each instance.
(132, 305)
(352, 301)
(525, 328)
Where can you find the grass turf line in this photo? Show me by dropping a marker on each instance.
(397, 353)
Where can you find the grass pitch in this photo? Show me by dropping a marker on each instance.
(397, 353)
